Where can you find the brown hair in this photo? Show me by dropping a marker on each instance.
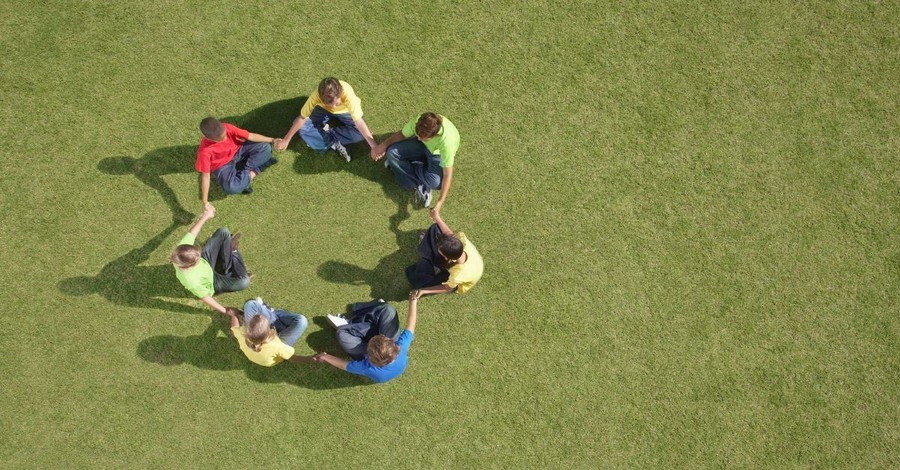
(258, 332)
(428, 125)
(211, 128)
(382, 351)
(330, 89)
(451, 247)
(185, 256)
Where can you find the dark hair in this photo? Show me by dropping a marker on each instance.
(451, 247)
(329, 89)
(211, 127)
(428, 125)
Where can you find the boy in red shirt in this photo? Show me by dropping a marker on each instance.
(234, 155)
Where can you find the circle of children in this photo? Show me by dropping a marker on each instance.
(420, 156)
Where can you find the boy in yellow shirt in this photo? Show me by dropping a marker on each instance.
(331, 118)
(448, 262)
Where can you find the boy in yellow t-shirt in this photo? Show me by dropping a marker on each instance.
(331, 118)
(447, 263)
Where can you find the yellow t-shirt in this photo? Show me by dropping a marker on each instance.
(272, 353)
(464, 276)
(350, 103)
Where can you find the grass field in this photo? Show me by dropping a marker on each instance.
(688, 214)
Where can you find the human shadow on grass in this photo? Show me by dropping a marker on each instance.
(386, 280)
(273, 119)
(214, 351)
(150, 169)
(123, 281)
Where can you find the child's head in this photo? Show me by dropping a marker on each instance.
(185, 256)
(382, 351)
(259, 332)
(428, 126)
(330, 91)
(450, 247)
(212, 129)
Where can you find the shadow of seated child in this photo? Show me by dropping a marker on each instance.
(150, 170)
(208, 350)
(216, 349)
(123, 281)
(386, 280)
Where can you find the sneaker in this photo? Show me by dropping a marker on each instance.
(423, 194)
(235, 241)
(341, 150)
(336, 320)
(418, 194)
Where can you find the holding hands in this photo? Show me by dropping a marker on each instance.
(377, 152)
(208, 212)
(279, 145)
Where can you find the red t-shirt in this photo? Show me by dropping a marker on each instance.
(212, 155)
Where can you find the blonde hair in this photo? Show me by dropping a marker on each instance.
(185, 256)
(382, 351)
(259, 332)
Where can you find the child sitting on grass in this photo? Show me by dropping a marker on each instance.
(385, 358)
(268, 335)
(216, 268)
(448, 262)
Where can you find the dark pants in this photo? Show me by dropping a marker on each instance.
(234, 177)
(342, 129)
(431, 269)
(413, 164)
(229, 272)
(367, 319)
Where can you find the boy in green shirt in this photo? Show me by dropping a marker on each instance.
(424, 162)
(194, 267)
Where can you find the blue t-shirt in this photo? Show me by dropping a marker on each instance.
(388, 372)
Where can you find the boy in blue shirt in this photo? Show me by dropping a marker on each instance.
(385, 358)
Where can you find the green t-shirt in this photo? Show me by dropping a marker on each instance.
(199, 279)
(445, 143)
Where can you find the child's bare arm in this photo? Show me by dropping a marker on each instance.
(208, 213)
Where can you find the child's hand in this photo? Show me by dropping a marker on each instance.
(209, 211)
(280, 144)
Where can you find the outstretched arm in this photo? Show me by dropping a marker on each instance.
(208, 213)
(204, 189)
(208, 300)
(367, 134)
(261, 138)
(295, 126)
(382, 147)
(446, 181)
(331, 360)
(438, 289)
(413, 307)
(436, 217)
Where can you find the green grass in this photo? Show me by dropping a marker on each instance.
(688, 214)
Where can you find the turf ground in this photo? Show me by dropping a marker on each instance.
(688, 214)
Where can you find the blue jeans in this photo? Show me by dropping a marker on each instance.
(288, 325)
(234, 177)
(413, 164)
(342, 129)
